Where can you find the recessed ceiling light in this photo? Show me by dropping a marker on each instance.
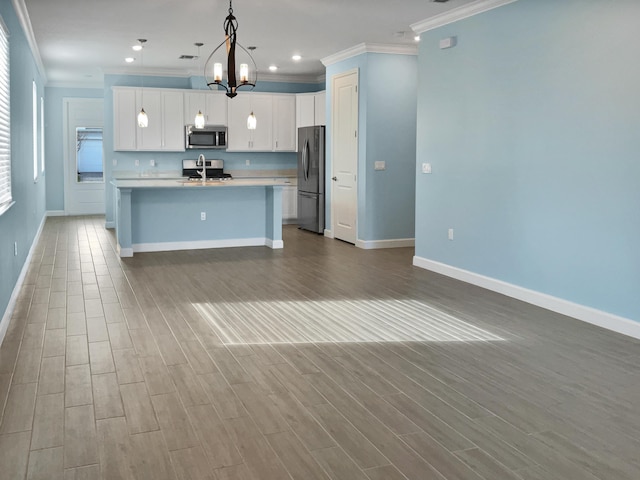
(296, 58)
(137, 48)
(273, 68)
(417, 38)
(129, 60)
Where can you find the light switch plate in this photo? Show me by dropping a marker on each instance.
(379, 166)
(426, 168)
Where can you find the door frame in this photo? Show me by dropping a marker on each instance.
(334, 78)
(66, 101)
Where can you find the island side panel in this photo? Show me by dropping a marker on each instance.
(274, 217)
(170, 219)
(123, 222)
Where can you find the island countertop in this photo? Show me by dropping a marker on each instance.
(210, 183)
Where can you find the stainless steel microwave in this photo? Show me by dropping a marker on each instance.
(211, 136)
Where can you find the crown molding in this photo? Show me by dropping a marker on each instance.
(25, 22)
(94, 85)
(146, 72)
(459, 13)
(369, 48)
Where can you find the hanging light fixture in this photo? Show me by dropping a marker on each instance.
(244, 76)
(143, 119)
(199, 120)
(252, 121)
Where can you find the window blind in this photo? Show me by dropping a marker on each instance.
(5, 120)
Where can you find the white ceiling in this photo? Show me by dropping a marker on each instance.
(80, 40)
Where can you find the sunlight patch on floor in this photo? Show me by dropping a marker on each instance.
(337, 321)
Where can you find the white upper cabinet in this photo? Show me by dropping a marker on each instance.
(320, 108)
(165, 109)
(213, 106)
(284, 123)
(241, 139)
(125, 123)
(305, 110)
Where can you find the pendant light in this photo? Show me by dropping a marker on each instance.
(143, 119)
(199, 120)
(245, 77)
(252, 121)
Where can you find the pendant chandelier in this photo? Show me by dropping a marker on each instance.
(245, 75)
(143, 119)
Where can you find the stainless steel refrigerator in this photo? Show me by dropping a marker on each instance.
(311, 178)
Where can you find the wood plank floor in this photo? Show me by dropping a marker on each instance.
(319, 361)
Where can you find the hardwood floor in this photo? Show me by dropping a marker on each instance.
(319, 361)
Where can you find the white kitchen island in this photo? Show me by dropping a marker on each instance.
(154, 215)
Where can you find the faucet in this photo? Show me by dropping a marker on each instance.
(201, 160)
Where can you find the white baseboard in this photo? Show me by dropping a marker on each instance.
(55, 213)
(6, 318)
(328, 233)
(275, 244)
(393, 243)
(124, 252)
(200, 244)
(602, 319)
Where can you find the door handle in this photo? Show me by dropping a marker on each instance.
(335, 179)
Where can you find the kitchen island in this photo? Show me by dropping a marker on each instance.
(154, 215)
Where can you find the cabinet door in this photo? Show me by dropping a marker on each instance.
(305, 110)
(241, 139)
(289, 204)
(284, 123)
(320, 108)
(125, 121)
(193, 103)
(172, 126)
(150, 138)
(216, 108)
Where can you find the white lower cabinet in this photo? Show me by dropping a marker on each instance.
(289, 204)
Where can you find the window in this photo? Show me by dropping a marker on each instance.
(5, 120)
(89, 155)
(42, 134)
(35, 131)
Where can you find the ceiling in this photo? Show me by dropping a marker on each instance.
(80, 40)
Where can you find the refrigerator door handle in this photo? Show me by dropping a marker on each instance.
(306, 158)
(304, 161)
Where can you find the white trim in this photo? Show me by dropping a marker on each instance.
(55, 213)
(6, 318)
(201, 244)
(392, 243)
(275, 244)
(25, 22)
(328, 233)
(456, 14)
(369, 48)
(90, 84)
(124, 252)
(602, 319)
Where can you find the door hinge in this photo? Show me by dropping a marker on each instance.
(355, 134)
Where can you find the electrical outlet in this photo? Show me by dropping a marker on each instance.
(136, 162)
(426, 168)
(152, 162)
(379, 166)
(247, 162)
(451, 234)
(203, 216)
(15, 249)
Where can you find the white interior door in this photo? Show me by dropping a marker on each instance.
(84, 156)
(344, 134)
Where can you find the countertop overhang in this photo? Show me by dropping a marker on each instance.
(210, 183)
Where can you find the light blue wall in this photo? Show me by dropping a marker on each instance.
(531, 125)
(171, 161)
(53, 107)
(21, 222)
(387, 132)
